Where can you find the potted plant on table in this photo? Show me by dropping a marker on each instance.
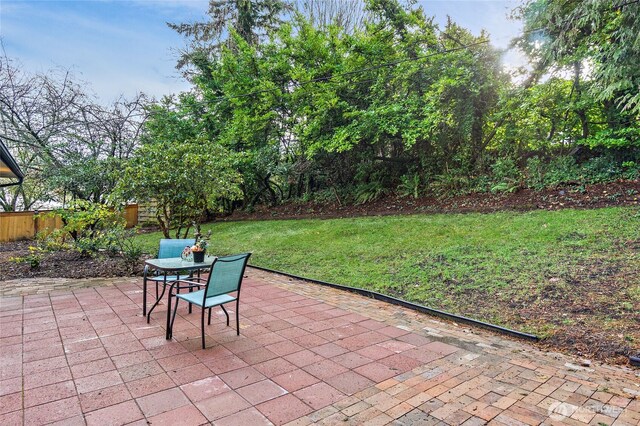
(199, 249)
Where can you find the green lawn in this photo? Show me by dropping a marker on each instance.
(536, 271)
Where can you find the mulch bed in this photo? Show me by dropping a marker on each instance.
(621, 193)
(62, 264)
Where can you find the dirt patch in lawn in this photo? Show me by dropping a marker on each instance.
(592, 310)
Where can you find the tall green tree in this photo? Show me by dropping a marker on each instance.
(250, 19)
(603, 35)
(178, 167)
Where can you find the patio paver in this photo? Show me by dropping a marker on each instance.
(80, 352)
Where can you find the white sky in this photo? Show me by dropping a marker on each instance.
(121, 47)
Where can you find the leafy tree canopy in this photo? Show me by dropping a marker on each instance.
(180, 169)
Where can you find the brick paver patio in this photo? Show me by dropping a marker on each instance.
(79, 352)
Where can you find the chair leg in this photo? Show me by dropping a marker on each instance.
(173, 318)
(225, 312)
(209, 316)
(238, 317)
(202, 325)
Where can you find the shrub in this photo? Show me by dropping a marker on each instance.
(505, 169)
(601, 169)
(130, 249)
(535, 172)
(506, 175)
(410, 185)
(631, 170)
(616, 139)
(369, 192)
(563, 169)
(452, 182)
(91, 227)
(33, 258)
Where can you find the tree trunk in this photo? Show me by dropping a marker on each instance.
(163, 221)
(580, 112)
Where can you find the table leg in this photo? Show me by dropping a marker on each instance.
(164, 288)
(168, 334)
(144, 291)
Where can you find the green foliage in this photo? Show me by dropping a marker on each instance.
(503, 187)
(178, 167)
(51, 243)
(506, 175)
(33, 258)
(128, 247)
(535, 173)
(561, 170)
(631, 170)
(87, 178)
(368, 192)
(614, 139)
(451, 182)
(561, 33)
(290, 105)
(91, 226)
(85, 220)
(250, 19)
(565, 170)
(410, 186)
(283, 108)
(600, 169)
(310, 106)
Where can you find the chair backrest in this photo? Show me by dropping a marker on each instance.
(226, 275)
(173, 247)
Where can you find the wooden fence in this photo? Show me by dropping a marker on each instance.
(25, 225)
(147, 212)
(131, 214)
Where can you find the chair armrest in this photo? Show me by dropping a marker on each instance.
(188, 283)
(176, 284)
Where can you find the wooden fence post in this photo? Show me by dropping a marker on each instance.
(35, 223)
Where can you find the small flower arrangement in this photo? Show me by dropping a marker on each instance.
(201, 242)
(187, 254)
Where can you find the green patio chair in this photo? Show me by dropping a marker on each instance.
(168, 248)
(225, 277)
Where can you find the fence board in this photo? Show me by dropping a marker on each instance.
(16, 226)
(131, 215)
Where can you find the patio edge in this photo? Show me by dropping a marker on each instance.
(409, 305)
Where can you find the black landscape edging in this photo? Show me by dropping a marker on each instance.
(635, 360)
(412, 306)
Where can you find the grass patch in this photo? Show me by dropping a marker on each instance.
(536, 271)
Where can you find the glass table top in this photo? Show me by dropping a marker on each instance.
(177, 263)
